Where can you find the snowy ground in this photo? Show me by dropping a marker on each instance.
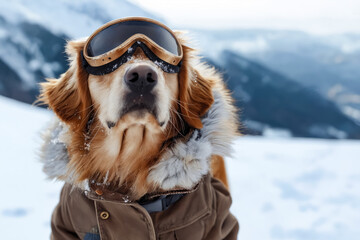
(296, 189)
(282, 188)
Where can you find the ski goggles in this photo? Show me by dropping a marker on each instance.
(114, 43)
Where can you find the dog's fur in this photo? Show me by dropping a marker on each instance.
(128, 153)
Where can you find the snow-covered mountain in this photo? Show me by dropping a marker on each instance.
(33, 35)
(75, 19)
(268, 99)
(328, 64)
(281, 188)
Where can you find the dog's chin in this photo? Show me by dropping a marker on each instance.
(138, 115)
(139, 111)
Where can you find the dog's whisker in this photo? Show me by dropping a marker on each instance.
(182, 104)
(176, 127)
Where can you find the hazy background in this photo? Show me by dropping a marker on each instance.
(293, 68)
(317, 17)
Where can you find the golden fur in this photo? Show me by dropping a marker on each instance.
(123, 156)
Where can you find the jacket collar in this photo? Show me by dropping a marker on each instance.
(181, 166)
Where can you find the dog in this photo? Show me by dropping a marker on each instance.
(139, 131)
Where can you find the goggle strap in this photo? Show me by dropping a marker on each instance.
(115, 64)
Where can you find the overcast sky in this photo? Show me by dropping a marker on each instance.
(315, 16)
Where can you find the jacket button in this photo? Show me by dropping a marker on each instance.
(104, 215)
(99, 192)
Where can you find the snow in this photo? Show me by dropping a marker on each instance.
(74, 18)
(282, 188)
(258, 44)
(296, 188)
(27, 198)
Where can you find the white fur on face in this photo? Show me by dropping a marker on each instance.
(108, 92)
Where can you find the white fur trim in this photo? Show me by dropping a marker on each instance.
(184, 164)
(215, 129)
(54, 153)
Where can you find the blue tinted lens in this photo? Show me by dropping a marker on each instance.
(114, 35)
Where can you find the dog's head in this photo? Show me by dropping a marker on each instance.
(119, 121)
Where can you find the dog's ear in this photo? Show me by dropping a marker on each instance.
(195, 93)
(69, 96)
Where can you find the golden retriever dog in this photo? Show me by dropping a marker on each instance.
(124, 139)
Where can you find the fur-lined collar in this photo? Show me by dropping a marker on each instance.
(182, 165)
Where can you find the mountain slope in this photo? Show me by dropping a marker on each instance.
(75, 19)
(328, 64)
(10, 84)
(270, 98)
(30, 52)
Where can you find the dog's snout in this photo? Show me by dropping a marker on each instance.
(141, 78)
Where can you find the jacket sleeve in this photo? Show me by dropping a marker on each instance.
(224, 226)
(61, 224)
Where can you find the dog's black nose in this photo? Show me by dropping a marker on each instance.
(141, 78)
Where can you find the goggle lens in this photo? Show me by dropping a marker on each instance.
(114, 35)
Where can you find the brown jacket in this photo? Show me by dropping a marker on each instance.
(203, 213)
